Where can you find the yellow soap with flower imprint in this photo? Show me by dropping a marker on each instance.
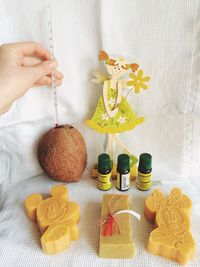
(57, 218)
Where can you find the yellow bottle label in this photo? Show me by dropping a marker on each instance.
(104, 178)
(104, 181)
(142, 177)
(144, 181)
(104, 186)
(144, 186)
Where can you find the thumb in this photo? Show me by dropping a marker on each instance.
(38, 71)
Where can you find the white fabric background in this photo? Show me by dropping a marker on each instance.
(163, 37)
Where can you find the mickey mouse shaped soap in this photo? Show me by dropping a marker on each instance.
(56, 217)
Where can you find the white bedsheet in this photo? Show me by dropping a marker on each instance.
(163, 37)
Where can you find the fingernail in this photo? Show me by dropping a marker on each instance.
(52, 65)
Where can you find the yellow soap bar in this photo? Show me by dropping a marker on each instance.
(57, 219)
(172, 238)
(118, 245)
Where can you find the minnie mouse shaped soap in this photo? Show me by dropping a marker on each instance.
(172, 237)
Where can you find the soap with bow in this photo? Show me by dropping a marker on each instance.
(116, 240)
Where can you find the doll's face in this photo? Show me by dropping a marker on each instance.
(117, 70)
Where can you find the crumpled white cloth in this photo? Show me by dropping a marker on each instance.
(163, 37)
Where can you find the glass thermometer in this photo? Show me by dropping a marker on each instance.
(53, 75)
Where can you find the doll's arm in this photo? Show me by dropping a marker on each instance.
(111, 113)
(119, 93)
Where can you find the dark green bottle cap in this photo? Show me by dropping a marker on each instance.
(123, 163)
(104, 163)
(145, 162)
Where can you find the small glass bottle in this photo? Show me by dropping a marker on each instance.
(144, 172)
(123, 172)
(104, 172)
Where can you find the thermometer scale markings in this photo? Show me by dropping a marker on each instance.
(53, 76)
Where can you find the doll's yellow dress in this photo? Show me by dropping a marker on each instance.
(124, 120)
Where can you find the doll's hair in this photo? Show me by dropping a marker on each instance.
(104, 57)
(132, 66)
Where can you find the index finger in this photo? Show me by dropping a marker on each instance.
(32, 48)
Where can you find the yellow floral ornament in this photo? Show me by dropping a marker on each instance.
(138, 81)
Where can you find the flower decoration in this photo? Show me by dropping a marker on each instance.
(121, 120)
(111, 101)
(105, 117)
(138, 81)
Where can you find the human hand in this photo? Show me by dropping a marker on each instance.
(23, 65)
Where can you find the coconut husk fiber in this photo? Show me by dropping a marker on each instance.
(62, 153)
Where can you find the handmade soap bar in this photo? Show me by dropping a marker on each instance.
(172, 238)
(116, 231)
(56, 217)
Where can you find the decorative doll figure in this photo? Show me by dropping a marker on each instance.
(113, 114)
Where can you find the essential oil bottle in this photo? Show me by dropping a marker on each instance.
(123, 172)
(104, 172)
(144, 172)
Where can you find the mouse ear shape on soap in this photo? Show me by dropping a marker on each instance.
(177, 199)
(31, 204)
(60, 191)
(152, 205)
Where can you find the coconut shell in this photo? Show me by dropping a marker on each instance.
(62, 153)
